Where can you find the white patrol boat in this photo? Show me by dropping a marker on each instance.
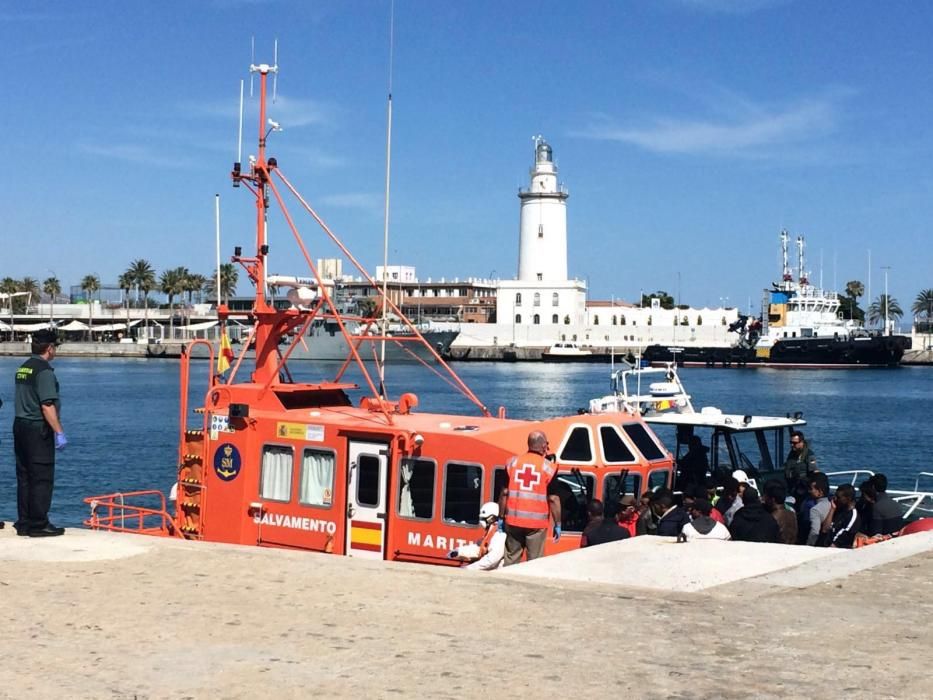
(755, 444)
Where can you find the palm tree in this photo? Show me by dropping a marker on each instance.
(854, 289)
(8, 287)
(52, 287)
(125, 282)
(193, 283)
(143, 276)
(923, 304)
(29, 285)
(172, 283)
(885, 307)
(229, 276)
(89, 285)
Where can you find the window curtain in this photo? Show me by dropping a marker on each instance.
(406, 507)
(317, 478)
(277, 473)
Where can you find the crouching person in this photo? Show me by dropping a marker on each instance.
(702, 526)
(487, 553)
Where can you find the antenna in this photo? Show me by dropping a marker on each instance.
(252, 62)
(385, 232)
(239, 141)
(275, 74)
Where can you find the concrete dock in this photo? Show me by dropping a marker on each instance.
(94, 615)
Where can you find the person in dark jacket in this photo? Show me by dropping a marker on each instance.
(773, 498)
(601, 529)
(671, 518)
(865, 504)
(800, 460)
(886, 514)
(752, 523)
(845, 518)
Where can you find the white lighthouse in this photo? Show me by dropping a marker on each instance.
(542, 246)
(542, 306)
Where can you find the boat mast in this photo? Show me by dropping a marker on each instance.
(801, 274)
(786, 275)
(263, 312)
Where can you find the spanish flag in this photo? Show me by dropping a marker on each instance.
(225, 357)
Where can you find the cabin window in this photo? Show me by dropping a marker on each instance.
(555, 299)
(316, 487)
(463, 491)
(617, 485)
(537, 299)
(566, 320)
(596, 320)
(367, 480)
(643, 441)
(657, 480)
(518, 298)
(500, 482)
(577, 446)
(537, 319)
(518, 318)
(276, 475)
(554, 319)
(575, 490)
(416, 489)
(615, 450)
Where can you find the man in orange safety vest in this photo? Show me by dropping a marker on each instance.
(525, 505)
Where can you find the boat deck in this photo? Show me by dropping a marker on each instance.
(93, 615)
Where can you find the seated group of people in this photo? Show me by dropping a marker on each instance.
(737, 511)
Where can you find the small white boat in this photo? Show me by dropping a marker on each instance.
(566, 352)
(755, 444)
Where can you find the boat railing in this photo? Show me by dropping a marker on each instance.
(139, 512)
(915, 504)
(853, 477)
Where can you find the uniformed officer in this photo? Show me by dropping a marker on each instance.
(37, 433)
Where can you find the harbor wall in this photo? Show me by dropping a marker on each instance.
(87, 349)
(480, 337)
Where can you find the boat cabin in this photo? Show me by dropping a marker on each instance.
(757, 445)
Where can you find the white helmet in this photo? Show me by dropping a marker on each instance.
(740, 476)
(489, 510)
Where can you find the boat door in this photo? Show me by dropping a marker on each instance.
(367, 466)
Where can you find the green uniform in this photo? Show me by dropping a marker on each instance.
(35, 385)
(799, 463)
(34, 444)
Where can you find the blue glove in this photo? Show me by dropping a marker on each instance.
(557, 533)
(501, 524)
(60, 441)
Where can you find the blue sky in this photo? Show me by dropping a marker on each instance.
(689, 132)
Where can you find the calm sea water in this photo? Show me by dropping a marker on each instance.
(121, 416)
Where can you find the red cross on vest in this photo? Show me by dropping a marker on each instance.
(528, 477)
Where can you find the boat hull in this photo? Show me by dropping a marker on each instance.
(814, 353)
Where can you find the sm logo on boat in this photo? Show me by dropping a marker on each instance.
(227, 462)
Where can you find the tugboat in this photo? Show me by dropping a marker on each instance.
(800, 327)
(270, 461)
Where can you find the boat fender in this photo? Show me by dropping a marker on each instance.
(922, 525)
